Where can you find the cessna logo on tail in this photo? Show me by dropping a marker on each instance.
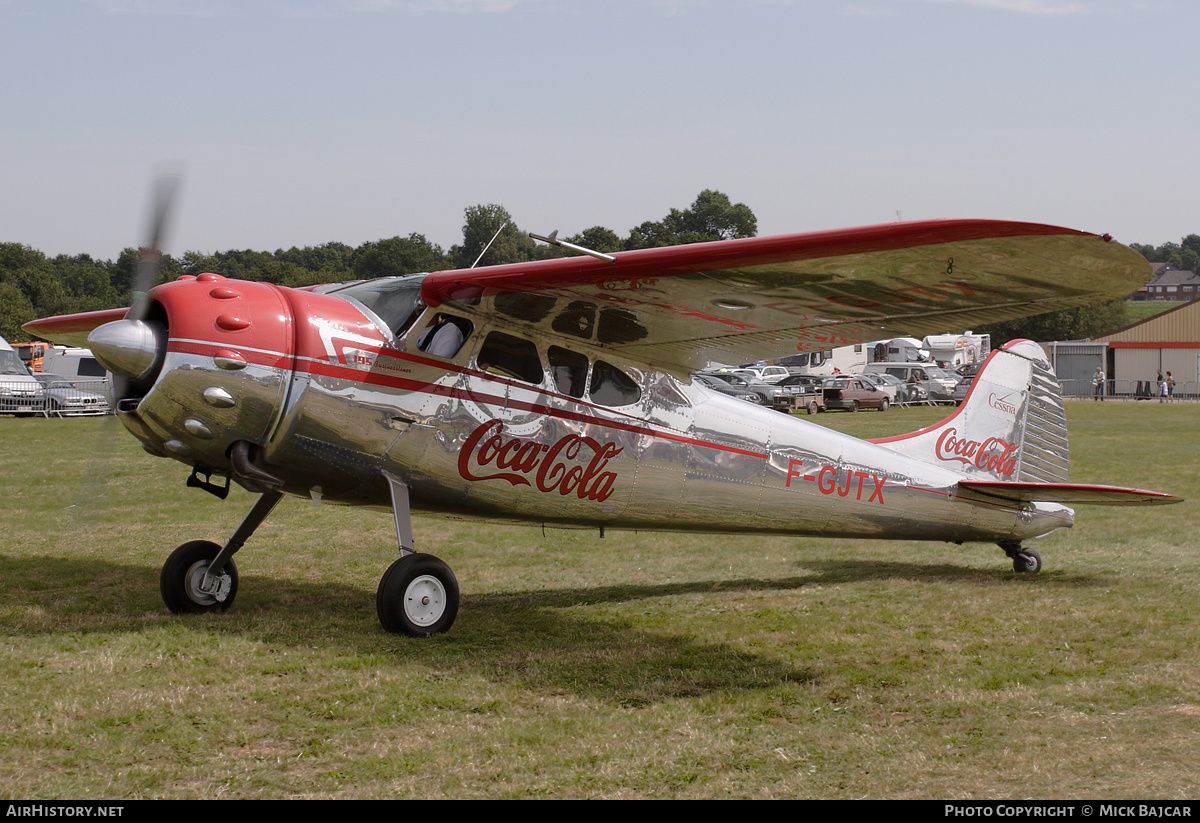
(1002, 403)
(560, 467)
(994, 454)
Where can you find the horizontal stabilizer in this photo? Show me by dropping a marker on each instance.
(1068, 493)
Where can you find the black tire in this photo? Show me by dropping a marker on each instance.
(418, 596)
(853, 405)
(179, 581)
(812, 407)
(1027, 561)
(883, 405)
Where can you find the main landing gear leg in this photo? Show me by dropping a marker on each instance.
(1024, 560)
(418, 594)
(200, 576)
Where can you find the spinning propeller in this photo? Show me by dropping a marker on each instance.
(133, 348)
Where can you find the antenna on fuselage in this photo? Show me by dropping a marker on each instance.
(489, 245)
(554, 241)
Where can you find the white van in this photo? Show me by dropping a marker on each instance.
(78, 366)
(20, 394)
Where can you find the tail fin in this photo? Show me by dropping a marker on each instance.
(1010, 427)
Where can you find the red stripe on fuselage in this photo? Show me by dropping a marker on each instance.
(310, 365)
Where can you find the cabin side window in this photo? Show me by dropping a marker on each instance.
(508, 356)
(569, 369)
(612, 387)
(445, 335)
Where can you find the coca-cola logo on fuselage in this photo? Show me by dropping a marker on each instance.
(574, 464)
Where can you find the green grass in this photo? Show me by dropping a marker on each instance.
(639, 665)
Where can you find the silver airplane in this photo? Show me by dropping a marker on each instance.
(560, 392)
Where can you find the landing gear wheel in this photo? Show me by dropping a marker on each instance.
(184, 587)
(418, 596)
(1027, 561)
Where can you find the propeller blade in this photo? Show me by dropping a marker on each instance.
(150, 264)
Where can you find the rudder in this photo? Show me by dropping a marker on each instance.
(1011, 426)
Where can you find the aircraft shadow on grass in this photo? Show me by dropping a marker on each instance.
(535, 637)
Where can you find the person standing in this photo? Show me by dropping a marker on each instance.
(1170, 388)
(1098, 384)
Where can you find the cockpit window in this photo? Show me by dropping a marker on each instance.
(396, 301)
(510, 356)
(612, 387)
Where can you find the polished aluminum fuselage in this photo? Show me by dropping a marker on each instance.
(334, 405)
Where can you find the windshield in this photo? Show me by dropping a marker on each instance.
(395, 302)
(11, 364)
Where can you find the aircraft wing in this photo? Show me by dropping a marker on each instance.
(1067, 493)
(735, 301)
(72, 329)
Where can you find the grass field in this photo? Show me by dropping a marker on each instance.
(634, 666)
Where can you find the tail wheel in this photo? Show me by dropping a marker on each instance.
(1027, 561)
(186, 586)
(418, 596)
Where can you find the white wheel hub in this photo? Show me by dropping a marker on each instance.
(425, 600)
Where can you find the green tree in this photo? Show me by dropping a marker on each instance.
(481, 224)
(598, 238)
(15, 309)
(398, 255)
(86, 282)
(712, 216)
(333, 257)
(1070, 324)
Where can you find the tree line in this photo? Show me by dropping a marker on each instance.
(33, 285)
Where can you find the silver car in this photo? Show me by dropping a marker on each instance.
(62, 398)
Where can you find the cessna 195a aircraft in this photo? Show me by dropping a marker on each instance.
(559, 392)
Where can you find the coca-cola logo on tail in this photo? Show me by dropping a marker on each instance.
(993, 455)
(573, 464)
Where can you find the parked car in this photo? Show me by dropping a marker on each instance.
(63, 398)
(807, 391)
(806, 382)
(852, 394)
(20, 394)
(773, 396)
(941, 384)
(966, 378)
(905, 392)
(767, 374)
(726, 388)
(891, 389)
(938, 383)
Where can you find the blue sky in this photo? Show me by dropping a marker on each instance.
(298, 122)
